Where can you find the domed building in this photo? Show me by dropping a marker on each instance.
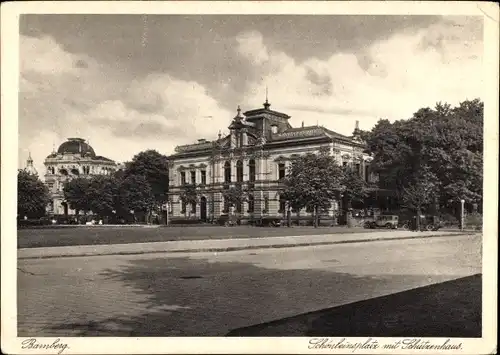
(73, 158)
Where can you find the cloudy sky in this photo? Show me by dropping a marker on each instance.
(132, 82)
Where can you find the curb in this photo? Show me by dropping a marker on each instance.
(238, 248)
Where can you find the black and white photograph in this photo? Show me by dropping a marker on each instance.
(264, 177)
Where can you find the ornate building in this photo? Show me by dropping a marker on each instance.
(255, 155)
(73, 158)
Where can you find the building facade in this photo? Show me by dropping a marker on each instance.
(254, 156)
(74, 158)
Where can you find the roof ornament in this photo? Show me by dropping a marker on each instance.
(267, 104)
(219, 135)
(239, 112)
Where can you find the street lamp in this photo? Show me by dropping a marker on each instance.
(462, 214)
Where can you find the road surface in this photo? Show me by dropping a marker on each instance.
(211, 294)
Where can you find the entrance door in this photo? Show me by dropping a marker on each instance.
(203, 208)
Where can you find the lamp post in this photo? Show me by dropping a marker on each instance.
(462, 214)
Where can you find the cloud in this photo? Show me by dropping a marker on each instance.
(391, 78)
(65, 94)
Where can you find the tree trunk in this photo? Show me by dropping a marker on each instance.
(316, 217)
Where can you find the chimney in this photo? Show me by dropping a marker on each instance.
(302, 124)
(357, 126)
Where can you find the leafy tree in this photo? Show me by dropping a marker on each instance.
(313, 180)
(420, 192)
(235, 195)
(445, 141)
(76, 194)
(353, 188)
(102, 195)
(189, 195)
(134, 193)
(32, 195)
(154, 167)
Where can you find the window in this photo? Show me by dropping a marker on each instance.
(358, 169)
(238, 206)
(281, 171)
(227, 172)
(251, 204)
(367, 173)
(203, 177)
(183, 177)
(251, 173)
(274, 129)
(266, 204)
(239, 171)
(193, 177)
(193, 207)
(282, 205)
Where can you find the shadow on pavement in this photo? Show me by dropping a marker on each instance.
(196, 297)
(449, 309)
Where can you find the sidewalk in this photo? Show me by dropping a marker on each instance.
(222, 245)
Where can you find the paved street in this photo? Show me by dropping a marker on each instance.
(213, 294)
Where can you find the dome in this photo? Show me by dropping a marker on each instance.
(76, 146)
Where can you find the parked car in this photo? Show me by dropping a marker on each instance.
(384, 221)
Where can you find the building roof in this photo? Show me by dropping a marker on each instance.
(76, 146)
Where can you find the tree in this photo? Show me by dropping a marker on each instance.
(235, 195)
(446, 141)
(76, 194)
(353, 189)
(154, 167)
(420, 192)
(313, 180)
(32, 195)
(134, 194)
(102, 194)
(189, 195)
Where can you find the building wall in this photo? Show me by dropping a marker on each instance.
(266, 185)
(76, 166)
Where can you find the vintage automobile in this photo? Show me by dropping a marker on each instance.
(383, 221)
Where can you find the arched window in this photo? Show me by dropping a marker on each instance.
(274, 129)
(239, 171)
(251, 168)
(227, 171)
(251, 204)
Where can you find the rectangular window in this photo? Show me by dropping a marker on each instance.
(282, 206)
(203, 177)
(358, 169)
(367, 173)
(251, 205)
(193, 177)
(281, 171)
(183, 177)
(193, 207)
